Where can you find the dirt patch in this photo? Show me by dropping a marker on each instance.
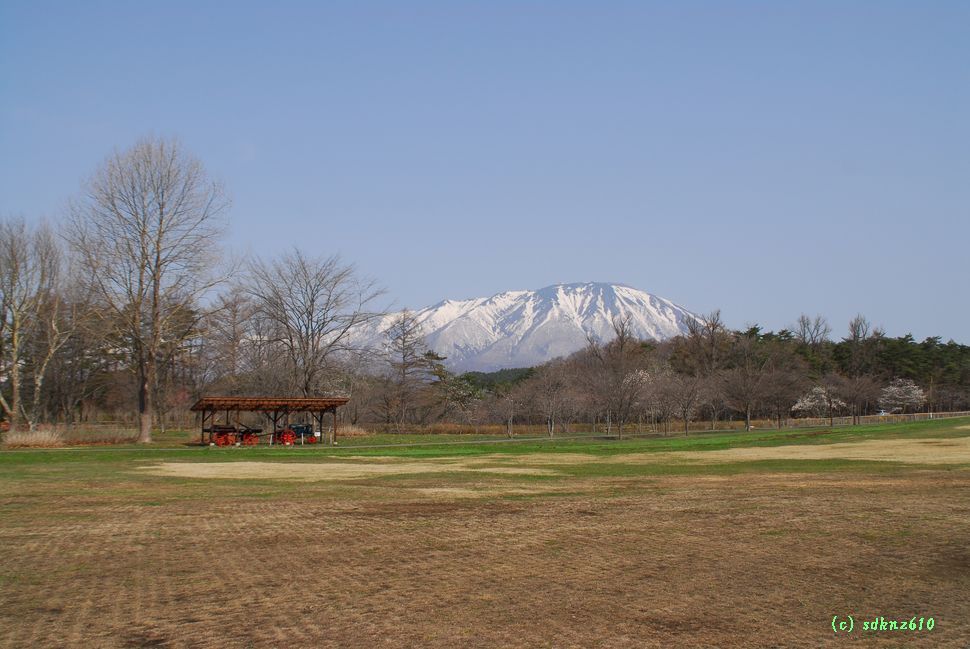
(484, 492)
(910, 451)
(508, 470)
(312, 472)
(540, 459)
(449, 492)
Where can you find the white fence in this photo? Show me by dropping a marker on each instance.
(874, 419)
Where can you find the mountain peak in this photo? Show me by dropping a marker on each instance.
(527, 328)
(582, 286)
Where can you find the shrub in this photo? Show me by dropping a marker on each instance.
(98, 436)
(351, 430)
(40, 438)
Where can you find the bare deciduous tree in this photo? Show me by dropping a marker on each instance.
(614, 372)
(783, 387)
(713, 397)
(312, 305)
(146, 231)
(506, 404)
(744, 384)
(661, 394)
(812, 331)
(78, 368)
(687, 391)
(859, 328)
(408, 357)
(860, 341)
(231, 330)
(30, 305)
(548, 392)
(856, 391)
(708, 341)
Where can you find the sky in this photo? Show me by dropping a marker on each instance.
(763, 158)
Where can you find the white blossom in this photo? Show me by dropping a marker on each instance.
(819, 402)
(900, 395)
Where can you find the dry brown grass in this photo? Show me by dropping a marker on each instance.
(55, 436)
(100, 436)
(909, 451)
(748, 560)
(41, 438)
(326, 471)
(351, 430)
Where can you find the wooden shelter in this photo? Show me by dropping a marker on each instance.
(276, 409)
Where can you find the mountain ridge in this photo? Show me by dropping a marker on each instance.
(522, 328)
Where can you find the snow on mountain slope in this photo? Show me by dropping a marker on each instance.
(527, 328)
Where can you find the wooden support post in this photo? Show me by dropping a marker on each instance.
(333, 434)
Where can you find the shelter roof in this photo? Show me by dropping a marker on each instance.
(268, 404)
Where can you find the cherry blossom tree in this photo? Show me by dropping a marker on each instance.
(901, 395)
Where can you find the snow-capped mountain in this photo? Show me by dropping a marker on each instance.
(527, 328)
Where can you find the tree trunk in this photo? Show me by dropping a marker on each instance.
(14, 413)
(747, 418)
(145, 403)
(38, 386)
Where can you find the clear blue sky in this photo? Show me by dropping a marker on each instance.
(766, 158)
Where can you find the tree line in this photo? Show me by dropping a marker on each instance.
(127, 309)
(711, 374)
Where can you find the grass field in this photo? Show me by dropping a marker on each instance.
(721, 540)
